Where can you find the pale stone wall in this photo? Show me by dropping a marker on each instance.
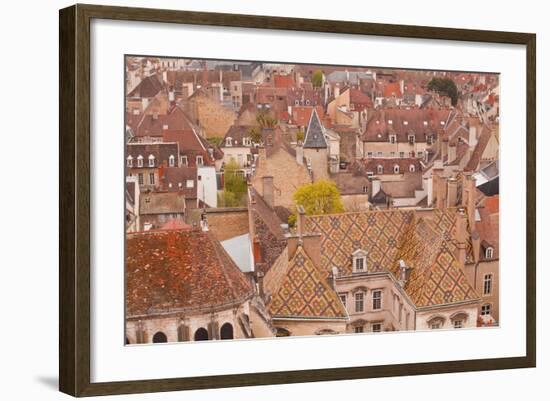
(228, 223)
(211, 115)
(356, 202)
(287, 175)
(483, 268)
(423, 317)
(386, 148)
(310, 327)
(393, 300)
(319, 163)
(169, 324)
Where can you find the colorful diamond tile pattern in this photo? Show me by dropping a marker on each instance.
(304, 292)
(426, 244)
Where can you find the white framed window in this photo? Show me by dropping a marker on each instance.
(430, 139)
(487, 284)
(171, 161)
(401, 154)
(396, 169)
(247, 141)
(379, 154)
(376, 327)
(359, 260)
(380, 169)
(151, 178)
(392, 138)
(489, 252)
(228, 141)
(411, 139)
(412, 169)
(140, 178)
(199, 160)
(184, 161)
(130, 161)
(140, 161)
(343, 298)
(486, 310)
(359, 301)
(365, 189)
(151, 161)
(377, 300)
(190, 184)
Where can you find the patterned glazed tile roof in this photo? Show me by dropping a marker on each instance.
(303, 291)
(427, 244)
(180, 270)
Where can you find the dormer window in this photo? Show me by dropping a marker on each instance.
(430, 139)
(247, 141)
(359, 261)
(393, 138)
(228, 142)
(425, 123)
(489, 252)
(140, 161)
(171, 161)
(380, 169)
(184, 161)
(396, 169)
(405, 122)
(390, 122)
(199, 160)
(411, 139)
(130, 161)
(412, 168)
(151, 161)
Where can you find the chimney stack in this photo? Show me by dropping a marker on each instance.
(337, 90)
(452, 190)
(461, 233)
(268, 191)
(451, 152)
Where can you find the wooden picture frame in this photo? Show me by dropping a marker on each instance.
(75, 208)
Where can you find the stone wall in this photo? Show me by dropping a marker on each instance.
(227, 223)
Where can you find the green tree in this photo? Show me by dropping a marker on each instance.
(255, 134)
(234, 186)
(215, 140)
(266, 120)
(317, 79)
(444, 86)
(321, 197)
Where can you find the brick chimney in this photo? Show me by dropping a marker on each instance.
(267, 191)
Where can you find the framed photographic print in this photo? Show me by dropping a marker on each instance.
(250, 200)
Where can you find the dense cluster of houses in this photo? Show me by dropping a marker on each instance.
(417, 247)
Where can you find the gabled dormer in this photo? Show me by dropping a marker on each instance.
(359, 261)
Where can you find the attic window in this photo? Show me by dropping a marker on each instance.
(228, 141)
(199, 160)
(151, 161)
(425, 123)
(184, 161)
(396, 169)
(190, 184)
(140, 161)
(430, 139)
(393, 138)
(377, 121)
(129, 161)
(359, 261)
(489, 252)
(380, 169)
(411, 139)
(171, 161)
(390, 122)
(405, 122)
(442, 122)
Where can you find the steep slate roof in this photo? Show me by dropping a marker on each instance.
(426, 244)
(148, 87)
(180, 270)
(315, 133)
(304, 292)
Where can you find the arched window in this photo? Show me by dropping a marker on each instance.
(380, 169)
(171, 161)
(282, 332)
(130, 161)
(411, 168)
(151, 161)
(228, 141)
(489, 253)
(396, 169)
(201, 334)
(226, 332)
(436, 322)
(140, 161)
(160, 337)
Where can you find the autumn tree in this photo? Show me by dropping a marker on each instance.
(321, 197)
